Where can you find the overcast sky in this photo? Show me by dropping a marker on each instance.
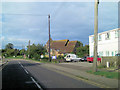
(73, 21)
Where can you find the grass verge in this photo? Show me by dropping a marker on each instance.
(112, 75)
(41, 61)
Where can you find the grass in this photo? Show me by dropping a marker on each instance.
(18, 57)
(42, 60)
(113, 75)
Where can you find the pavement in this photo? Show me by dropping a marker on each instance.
(76, 70)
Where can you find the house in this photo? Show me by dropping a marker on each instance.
(108, 43)
(61, 47)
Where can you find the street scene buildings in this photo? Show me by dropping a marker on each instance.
(108, 42)
(61, 47)
(56, 45)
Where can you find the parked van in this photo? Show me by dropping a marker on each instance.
(71, 57)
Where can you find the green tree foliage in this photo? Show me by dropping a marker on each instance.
(80, 44)
(9, 51)
(16, 52)
(82, 51)
(35, 51)
(9, 46)
(22, 51)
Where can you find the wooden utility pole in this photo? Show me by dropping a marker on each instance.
(49, 36)
(95, 36)
(29, 49)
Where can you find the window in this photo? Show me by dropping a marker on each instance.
(116, 34)
(92, 39)
(112, 53)
(107, 36)
(107, 53)
(57, 50)
(116, 52)
(101, 53)
(99, 38)
(50, 50)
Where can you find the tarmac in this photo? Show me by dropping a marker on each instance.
(81, 74)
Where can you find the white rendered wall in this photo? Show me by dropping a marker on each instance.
(104, 46)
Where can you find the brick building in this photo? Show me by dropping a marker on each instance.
(61, 47)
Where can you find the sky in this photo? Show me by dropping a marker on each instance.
(24, 21)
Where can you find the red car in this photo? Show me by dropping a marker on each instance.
(90, 59)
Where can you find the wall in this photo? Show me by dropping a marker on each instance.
(111, 59)
(104, 45)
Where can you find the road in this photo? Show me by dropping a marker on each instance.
(25, 74)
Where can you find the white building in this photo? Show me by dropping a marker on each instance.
(108, 43)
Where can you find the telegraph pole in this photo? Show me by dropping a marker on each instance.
(29, 49)
(95, 36)
(49, 36)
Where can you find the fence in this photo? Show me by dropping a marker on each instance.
(114, 61)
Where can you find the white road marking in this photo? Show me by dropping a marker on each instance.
(26, 71)
(19, 62)
(21, 65)
(31, 78)
(36, 83)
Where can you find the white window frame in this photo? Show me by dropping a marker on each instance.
(116, 34)
(112, 53)
(107, 36)
(92, 39)
(100, 37)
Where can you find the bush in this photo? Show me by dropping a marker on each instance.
(36, 56)
(102, 66)
(60, 57)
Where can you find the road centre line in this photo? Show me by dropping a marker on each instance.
(36, 83)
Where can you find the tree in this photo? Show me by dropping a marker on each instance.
(16, 52)
(22, 52)
(82, 51)
(9, 46)
(80, 44)
(35, 51)
(9, 52)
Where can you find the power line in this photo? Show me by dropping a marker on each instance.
(30, 14)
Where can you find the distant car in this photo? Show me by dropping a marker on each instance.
(117, 54)
(72, 57)
(90, 59)
(84, 59)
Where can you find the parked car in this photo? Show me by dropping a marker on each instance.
(72, 57)
(90, 59)
(84, 59)
(117, 54)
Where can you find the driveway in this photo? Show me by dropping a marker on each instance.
(77, 65)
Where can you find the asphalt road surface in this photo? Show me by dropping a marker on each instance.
(29, 75)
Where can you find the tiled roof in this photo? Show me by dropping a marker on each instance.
(63, 46)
